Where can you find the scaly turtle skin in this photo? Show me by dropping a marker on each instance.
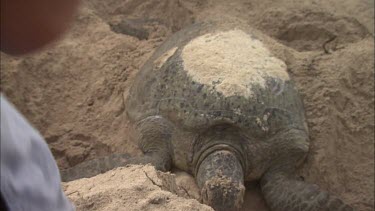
(215, 102)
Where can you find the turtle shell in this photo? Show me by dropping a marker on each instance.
(207, 75)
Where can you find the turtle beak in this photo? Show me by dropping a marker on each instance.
(221, 180)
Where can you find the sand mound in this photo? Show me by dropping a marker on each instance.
(338, 91)
(130, 188)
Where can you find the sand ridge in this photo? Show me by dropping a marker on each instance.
(131, 188)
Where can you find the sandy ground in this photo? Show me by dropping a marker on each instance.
(141, 188)
(74, 91)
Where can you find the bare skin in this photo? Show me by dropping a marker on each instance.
(27, 26)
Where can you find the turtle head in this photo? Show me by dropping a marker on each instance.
(220, 177)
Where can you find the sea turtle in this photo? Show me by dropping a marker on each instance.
(217, 102)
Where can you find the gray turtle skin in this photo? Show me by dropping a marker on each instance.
(192, 126)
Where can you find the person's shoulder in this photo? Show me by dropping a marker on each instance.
(12, 118)
(7, 108)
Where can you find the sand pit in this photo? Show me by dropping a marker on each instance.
(74, 91)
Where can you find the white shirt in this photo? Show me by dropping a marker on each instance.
(30, 179)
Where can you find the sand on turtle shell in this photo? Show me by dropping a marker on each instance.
(230, 60)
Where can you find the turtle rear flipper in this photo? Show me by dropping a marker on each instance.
(284, 191)
(97, 166)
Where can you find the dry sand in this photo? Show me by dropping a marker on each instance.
(74, 92)
(141, 188)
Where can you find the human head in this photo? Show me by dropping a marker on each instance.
(29, 25)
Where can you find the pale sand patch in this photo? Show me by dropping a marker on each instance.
(232, 60)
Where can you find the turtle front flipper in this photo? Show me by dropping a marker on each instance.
(153, 136)
(97, 166)
(220, 177)
(283, 190)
